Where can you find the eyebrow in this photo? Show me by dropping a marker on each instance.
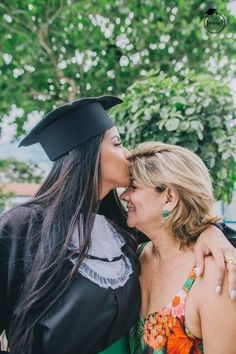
(116, 136)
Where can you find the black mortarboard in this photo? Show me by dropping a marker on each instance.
(72, 124)
(210, 12)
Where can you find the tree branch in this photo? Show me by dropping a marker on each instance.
(46, 45)
(12, 29)
(57, 13)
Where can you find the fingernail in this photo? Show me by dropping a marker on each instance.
(218, 289)
(198, 270)
(233, 294)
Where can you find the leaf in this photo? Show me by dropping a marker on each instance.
(172, 124)
(206, 102)
(196, 125)
(211, 162)
(147, 117)
(199, 134)
(184, 125)
(149, 100)
(161, 124)
(189, 111)
(134, 108)
(222, 173)
(164, 112)
(180, 99)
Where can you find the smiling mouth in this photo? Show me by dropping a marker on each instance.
(130, 209)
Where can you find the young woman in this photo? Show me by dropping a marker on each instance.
(68, 267)
(170, 200)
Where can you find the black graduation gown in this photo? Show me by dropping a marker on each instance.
(87, 318)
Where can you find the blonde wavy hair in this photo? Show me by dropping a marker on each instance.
(160, 165)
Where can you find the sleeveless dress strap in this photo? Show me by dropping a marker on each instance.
(141, 248)
(190, 280)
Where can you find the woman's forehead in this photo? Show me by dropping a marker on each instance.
(112, 132)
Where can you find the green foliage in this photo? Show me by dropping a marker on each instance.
(57, 50)
(196, 112)
(12, 170)
(5, 196)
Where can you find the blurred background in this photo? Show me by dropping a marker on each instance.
(173, 63)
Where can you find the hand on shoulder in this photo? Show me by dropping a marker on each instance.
(217, 313)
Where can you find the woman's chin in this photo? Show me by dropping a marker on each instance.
(130, 222)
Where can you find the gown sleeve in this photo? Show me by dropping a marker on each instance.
(229, 233)
(14, 227)
(6, 229)
(88, 318)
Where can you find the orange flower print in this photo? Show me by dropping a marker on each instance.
(157, 328)
(165, 331)
(177, 304)
(176, 301)
(166, 311)
(193, 273)
(178, 342)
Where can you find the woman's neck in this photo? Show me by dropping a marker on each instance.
(165, 246)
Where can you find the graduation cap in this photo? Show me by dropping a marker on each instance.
(72, 124)
(210, 12)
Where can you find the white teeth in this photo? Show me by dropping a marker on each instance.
(131, 209)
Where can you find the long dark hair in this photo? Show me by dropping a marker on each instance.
(69, 197)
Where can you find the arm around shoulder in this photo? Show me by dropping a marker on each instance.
(217, 315)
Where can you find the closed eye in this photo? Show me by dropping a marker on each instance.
(133, 187)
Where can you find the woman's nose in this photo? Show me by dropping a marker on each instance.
(127, 153)
(125, 195)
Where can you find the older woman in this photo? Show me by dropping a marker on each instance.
(68, 266)
(170, 200)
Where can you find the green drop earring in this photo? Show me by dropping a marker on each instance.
(166, 213)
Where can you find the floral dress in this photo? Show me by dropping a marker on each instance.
(165, 331)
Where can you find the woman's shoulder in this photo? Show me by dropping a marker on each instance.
(207, 287)
(206, 281)
(216, 312)
(18, 216)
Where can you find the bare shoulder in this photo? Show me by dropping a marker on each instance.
(209, 303)
(207, 284)
(217, 313)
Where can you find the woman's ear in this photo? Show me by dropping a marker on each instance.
(171, 198)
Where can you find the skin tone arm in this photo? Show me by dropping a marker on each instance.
(217, 314)
(212, 241)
